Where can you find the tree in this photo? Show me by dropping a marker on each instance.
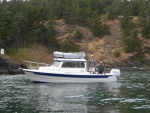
(145, 18)
(132, 43)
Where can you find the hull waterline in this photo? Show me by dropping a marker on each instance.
(57, 77)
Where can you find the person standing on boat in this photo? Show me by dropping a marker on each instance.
(91, 65)
(101, 68)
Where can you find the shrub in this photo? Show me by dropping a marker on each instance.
(100, 30)
(117, 54)
(78, 36)
(132, 43)
(146, 31)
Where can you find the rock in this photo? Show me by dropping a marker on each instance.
(23, 66)
(8, 67)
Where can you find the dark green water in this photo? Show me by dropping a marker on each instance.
(129, 95)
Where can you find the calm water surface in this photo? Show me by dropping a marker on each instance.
(131, 94)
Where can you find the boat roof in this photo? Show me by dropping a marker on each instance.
(69, 60)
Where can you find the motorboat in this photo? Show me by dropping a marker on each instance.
(72, 69)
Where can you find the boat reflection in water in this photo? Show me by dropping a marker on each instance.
(72, 97)
(60, 97)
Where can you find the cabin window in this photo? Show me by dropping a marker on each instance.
(73, 65)
(56, 63)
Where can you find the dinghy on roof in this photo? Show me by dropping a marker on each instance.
(69, 55)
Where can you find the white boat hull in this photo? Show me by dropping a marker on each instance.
(61, 78)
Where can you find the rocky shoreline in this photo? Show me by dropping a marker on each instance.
(7, 67)
(128, 67)
(135, 69)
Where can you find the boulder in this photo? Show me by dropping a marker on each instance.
(8, 67)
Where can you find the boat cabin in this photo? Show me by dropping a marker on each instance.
(67, 65)
(70, 65)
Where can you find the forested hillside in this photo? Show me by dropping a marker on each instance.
(118, 29)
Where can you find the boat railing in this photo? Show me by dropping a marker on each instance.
(35, 65)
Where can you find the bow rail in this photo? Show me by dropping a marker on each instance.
(34, 65)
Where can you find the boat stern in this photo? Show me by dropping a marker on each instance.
(115, 72)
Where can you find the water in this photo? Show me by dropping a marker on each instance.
(131, 94)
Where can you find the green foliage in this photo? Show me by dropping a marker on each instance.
(131, 40)
(141, 58)
(126, 23)
(46, 35)
(146, 31)
(144, 13)
(128, 27)
(78, 36)
(117, 54)
(23, 23)
(22, 27)
(70, 43)
(114, 10)
(100, 30)
(8, 30)
(70, 46)
(132, 43)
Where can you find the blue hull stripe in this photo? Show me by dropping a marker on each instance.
(71, 76)
(39, 82)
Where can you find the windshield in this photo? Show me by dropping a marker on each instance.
(56, 63)
(73, 65)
